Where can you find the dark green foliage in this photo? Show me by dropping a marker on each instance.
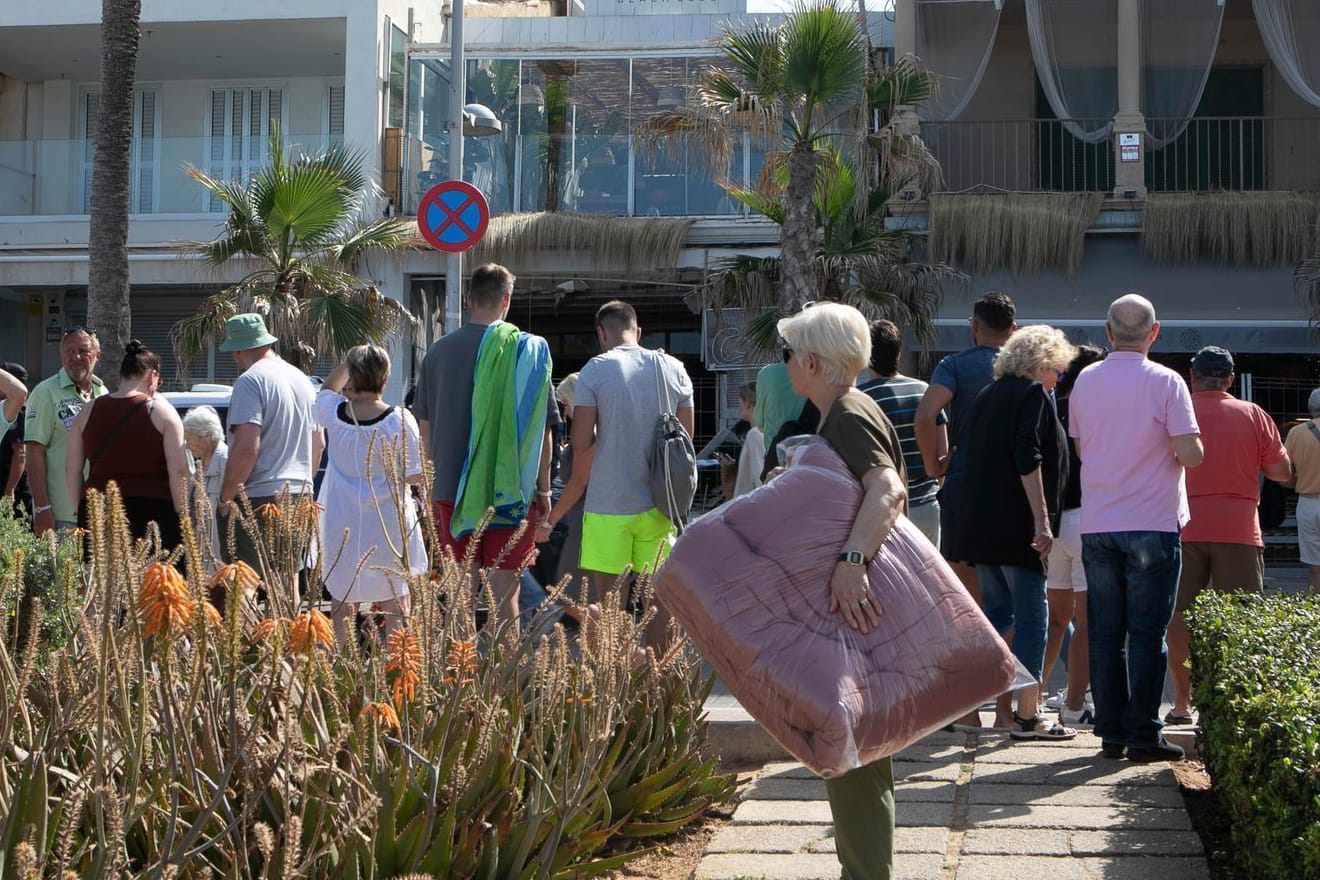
(1256, 677)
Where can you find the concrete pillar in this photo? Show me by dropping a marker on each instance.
(905, 28)
(1129, 123)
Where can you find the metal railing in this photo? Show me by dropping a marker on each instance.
(1021, 155)
(1235, 153)
(1202, 154)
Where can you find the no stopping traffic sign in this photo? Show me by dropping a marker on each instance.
(452, 216)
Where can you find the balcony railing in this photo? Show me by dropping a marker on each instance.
(54, 177)
(1205, 154)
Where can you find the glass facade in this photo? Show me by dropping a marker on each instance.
(569, 141)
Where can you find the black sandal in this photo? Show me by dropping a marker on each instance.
(1027, 729)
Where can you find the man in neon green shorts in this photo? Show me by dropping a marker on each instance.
(620, 395)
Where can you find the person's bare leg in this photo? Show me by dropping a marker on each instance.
(1180, 651)
(1079, 661)
(1028, 702)
(967, 576)
(1314, 576)
(1061, 614)
(505, 585)
(396, 614)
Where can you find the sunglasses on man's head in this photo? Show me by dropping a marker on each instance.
(79, 328)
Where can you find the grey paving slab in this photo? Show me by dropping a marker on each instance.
(1017, 841)
(796, 866)
(756, 812)
(807, 866)
(915, 770)
(906, 840)
(1108, 773)
(1094, 818)
(787, 788)
(769, 839)
(1059, 753)
(926, 791)
(1076, 795)
(1136, 843)
(919, 815)
(1119, 868)
(926, 752)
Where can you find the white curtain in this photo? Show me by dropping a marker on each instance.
(1291, 31)
(954, 41)
(1075, 46)
(1179, 39)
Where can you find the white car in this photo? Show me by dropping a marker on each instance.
(204, 394)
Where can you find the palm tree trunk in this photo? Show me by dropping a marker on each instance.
(107, 243)
(798, 235)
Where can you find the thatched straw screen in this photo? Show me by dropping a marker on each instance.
(1257, 229)
(604, 244)
(1026, 233)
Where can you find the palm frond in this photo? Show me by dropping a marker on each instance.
(760, 202)
(824, 55)
(342, 319)
(390, 234)
(1306, 281)
(756, 52)
(906, 82)
(196, 333)
(762, 329)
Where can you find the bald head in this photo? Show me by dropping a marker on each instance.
(1131, 319)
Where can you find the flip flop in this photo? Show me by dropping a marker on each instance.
(1173, 719)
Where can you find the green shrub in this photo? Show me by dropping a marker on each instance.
(51, 568)
(1256, 676)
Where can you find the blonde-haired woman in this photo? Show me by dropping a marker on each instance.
(370, 535)
(825, 347)
(1017, 468)
(569, 505)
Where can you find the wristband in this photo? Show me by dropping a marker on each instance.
(544, 494)
(36, 510)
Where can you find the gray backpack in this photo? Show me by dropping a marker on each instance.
(672, 460)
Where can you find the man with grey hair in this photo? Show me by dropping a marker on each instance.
(1303, 445)
(1136, 431)
(1222, 545)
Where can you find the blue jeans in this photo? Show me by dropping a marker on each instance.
(1132, 583)
(1015, 597)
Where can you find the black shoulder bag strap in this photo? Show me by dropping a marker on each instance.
(119, 426)
(1314, 430)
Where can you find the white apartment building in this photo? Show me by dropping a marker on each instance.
(212, 80)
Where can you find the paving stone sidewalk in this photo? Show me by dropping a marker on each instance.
(977, 807)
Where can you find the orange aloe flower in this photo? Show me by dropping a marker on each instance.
(462, 657)
(384, 711)
(239, 573)
(310, 507)
(266, 627)
(404, 659)
(164, 601)
(310, 629)
(213, 617)
(269, 509)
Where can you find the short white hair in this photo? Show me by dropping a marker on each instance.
(1313, 403)
(838, 334)
(204, 421)
(567, 390)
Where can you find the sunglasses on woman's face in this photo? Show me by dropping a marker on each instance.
(787, 353)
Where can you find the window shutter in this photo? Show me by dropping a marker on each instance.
(335, 116)
(145, 152)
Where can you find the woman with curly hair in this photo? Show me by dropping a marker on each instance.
(1017, 467)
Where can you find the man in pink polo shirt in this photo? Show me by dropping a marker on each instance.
(1136, 432)
(1222, 545)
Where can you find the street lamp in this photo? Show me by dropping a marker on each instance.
(471, 120)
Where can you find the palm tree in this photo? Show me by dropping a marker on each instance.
(860, 260)
(806, 87)
(301, 224)
(108, 310)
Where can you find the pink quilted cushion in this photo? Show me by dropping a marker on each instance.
(750, 583)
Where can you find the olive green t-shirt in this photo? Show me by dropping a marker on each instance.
(863, 436)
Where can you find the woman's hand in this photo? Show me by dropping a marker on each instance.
(543, 530)
(1042, 541)
(850, 592)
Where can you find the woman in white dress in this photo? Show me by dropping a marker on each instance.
(370, 534)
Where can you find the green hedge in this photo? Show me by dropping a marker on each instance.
(1256, 676)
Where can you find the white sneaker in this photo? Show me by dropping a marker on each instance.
(1057, 701)
(1074, 717)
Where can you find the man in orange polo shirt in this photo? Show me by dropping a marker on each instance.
(1222, 546)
